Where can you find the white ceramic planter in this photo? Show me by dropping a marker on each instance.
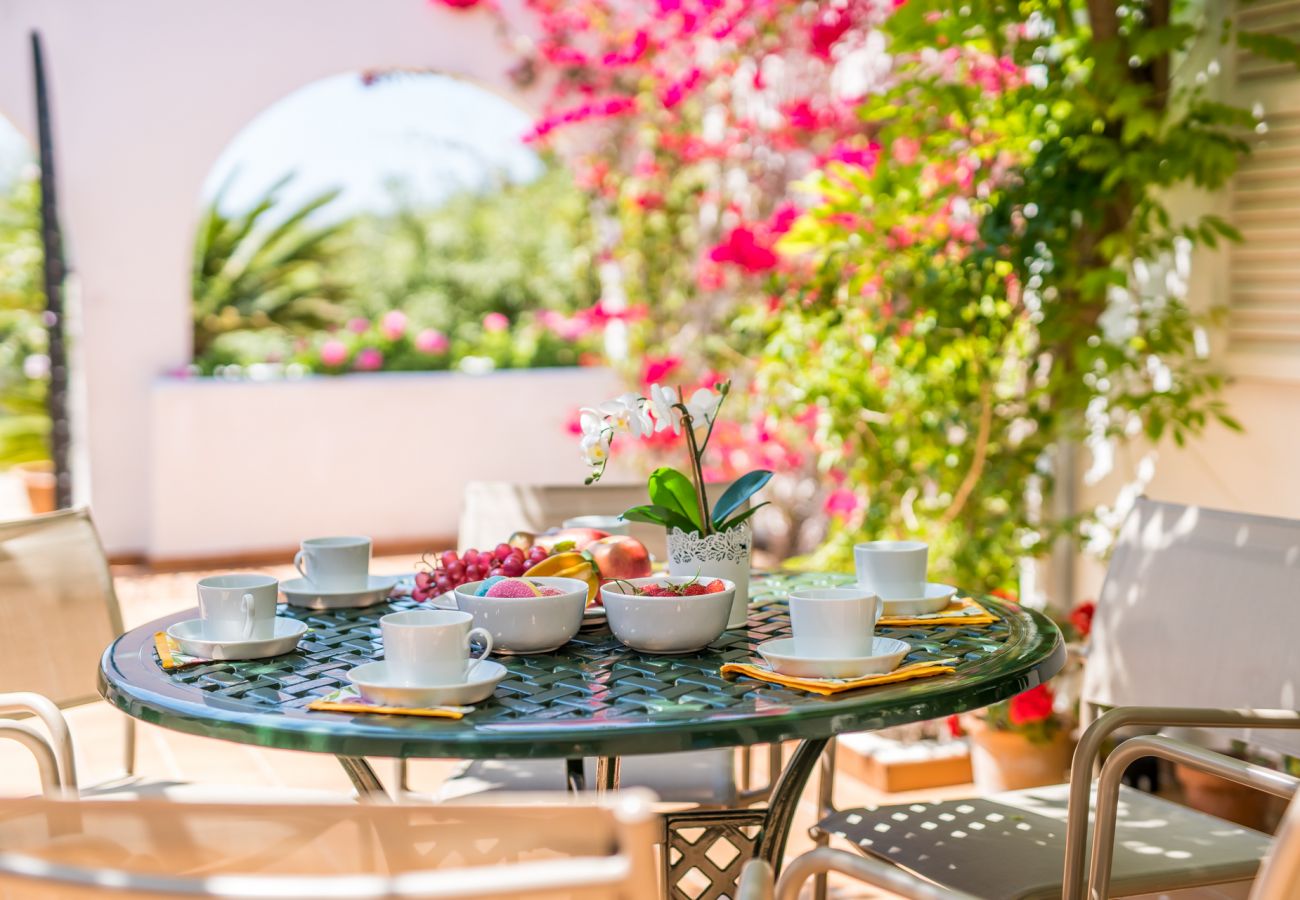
(725, 554)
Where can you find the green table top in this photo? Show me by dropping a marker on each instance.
(594, 697)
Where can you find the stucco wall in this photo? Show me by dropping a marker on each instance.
(145, 95)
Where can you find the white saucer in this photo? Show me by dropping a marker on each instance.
(886, 654)
(188, 635)
(937, 597)
(301, 592)
(373, 681)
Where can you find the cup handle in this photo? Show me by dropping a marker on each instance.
(485, 638)
(246, 606)
(298, 560)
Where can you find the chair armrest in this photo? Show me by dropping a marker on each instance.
(1089, 749)
(756, 877)
(39, 745)
(60, 737)
(1103, 837)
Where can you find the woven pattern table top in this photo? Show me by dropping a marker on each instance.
(593, 697)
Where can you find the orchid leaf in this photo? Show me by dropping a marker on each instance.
(673, 491)
(658, 515)
(734, 497)
(736, 520)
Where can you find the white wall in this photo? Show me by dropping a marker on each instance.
(259, 465)
(145, 95)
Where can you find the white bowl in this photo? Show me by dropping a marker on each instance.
(527, 624)
(666, 624)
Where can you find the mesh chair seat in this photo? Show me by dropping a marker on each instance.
(136, 787)
(699, 776)
(1012, 845)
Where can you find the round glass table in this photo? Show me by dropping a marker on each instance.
(593, 698)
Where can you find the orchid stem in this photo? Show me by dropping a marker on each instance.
(697, 471)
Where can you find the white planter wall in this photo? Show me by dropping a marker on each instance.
(246, 466)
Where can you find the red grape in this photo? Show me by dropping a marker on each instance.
(502, 551)
(448, 557)
(422, 579)
(495, 571)
(470, 556)
(456, 570)
(419, 596)
(473, 572)
(512, 568)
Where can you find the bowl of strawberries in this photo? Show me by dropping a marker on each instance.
(668, 613)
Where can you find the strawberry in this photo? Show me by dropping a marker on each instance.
(694, 589)
(714, 587)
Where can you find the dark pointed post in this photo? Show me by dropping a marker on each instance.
(55, 271)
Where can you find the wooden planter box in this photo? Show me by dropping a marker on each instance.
(894, 767)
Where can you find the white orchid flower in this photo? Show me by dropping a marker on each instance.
(662, 400)
(703, 405)
(627, 413)
(595, 449)
(591, 422)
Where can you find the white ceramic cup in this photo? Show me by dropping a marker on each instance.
(238, 607)
(610, 524)
(431, 646)
(335, 563)
(894, 570)
(838, 623)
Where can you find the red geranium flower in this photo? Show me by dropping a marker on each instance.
(1081, 617)
(1034, 705)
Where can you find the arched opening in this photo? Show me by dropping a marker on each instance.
(393, 221)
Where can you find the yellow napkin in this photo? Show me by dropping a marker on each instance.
(170, 655)
(961, 611)
(350, 701)
(829, 686)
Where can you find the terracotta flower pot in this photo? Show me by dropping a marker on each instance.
(1225, 799)
(1009, 761)
(39, 480)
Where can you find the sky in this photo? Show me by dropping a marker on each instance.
(422, 136)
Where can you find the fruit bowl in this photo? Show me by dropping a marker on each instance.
(527, 624)
(672, 624)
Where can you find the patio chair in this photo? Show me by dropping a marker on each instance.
(1278, 877)
(550, 847)
(1198, 610)
(58, 612)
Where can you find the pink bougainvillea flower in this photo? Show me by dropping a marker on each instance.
(656, 369)
(1081, 617)
(743, 248)
(431, 340)
(358, 325)
(368, 360)
(783, 219)
(456, 4)
(862, 156)
(677, 91)
(842, 503)
(629, 54)
(333, 353)
(495, 322)
(393, 324)
(829, 26)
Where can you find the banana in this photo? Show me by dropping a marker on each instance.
(571, 564)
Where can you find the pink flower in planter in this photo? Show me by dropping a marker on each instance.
(333, 353)
(358, 325)
(369, 360)
(393, 325)
(495, 322)
(431, 340)
(743, 248)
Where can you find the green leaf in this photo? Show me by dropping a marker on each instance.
(734, 497)
(657, 515)
(732, 523)
(673, 491)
